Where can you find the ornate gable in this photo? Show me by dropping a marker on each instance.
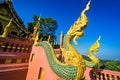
(7, 12)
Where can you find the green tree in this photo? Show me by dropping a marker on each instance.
(48, 26)
(112, 65)
(32, 24)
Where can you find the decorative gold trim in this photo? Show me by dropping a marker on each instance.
(7, 29)
(3, 46)
(70, 54)
(26, 60)
(18, 47)
(8, 61)
(13, 47)
(8, 46)
(26, 48)
(19, 61)
(23, 48)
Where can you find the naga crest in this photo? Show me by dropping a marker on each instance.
(95, 46)
(92, 51)
(76, 29)
(73, 65)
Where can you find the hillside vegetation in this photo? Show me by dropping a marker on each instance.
(113, 65)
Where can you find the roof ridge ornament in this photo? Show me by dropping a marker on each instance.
(7, 28)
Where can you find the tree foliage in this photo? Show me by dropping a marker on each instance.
(110, 65)
(48, 26)
(32, 24)
(113, 65)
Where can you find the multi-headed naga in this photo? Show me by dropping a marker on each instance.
(74, 67)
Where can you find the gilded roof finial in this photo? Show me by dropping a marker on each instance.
(7, 28)
(35, 34)
(49, 38)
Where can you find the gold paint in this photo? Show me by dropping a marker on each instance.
(13, 47)
(93, 50)
(71, 55)
(18, 48)
(8, 61)
(3, 46)
(41, 74)
(18, 60)
(32, 57)
(1, 43)
(35, 34)
(8, 46)
(26, 60)
(7, 29)
(26, 48)
(23, 48)
(49, 38)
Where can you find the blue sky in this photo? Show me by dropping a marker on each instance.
(103, 18)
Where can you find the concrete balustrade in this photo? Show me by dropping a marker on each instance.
(95, 74)
(101, 74)
(11, 36)
(14, 57)
(14, 51)
(17, 46)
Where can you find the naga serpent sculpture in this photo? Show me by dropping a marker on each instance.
(95, 62)
(75, 66)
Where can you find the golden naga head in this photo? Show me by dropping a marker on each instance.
(94, 48)
(76, 30)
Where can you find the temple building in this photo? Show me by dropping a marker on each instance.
(7, 12)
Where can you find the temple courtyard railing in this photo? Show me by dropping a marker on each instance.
(101, 74)
(96, 74)
(14, 51)
(14, 58)
(11, 36)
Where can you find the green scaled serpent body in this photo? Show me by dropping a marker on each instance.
(74, 64)
(65, 71)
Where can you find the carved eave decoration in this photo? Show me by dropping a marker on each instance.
(16, 19)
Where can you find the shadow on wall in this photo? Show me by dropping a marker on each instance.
(1, 28)
(96, 75)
